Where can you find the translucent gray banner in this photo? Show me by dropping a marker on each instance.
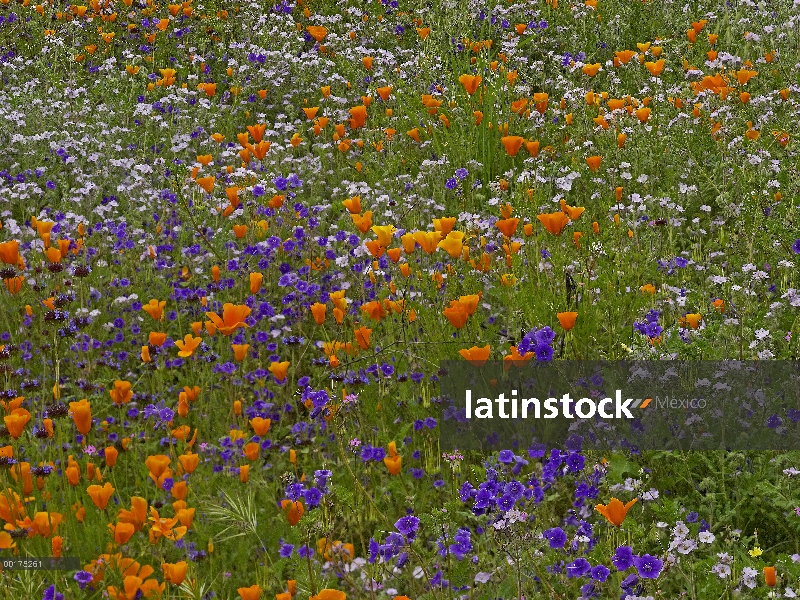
(617, 406)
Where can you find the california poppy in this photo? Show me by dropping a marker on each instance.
(255, 282)
(155, 309)
(507, 226)
(318, 311)
(175, 573)
(476, 356)
(260, 426)
(251, 593)
(362, 337)
(554, 222)
(240, 351)
(233, 316)
(615, 511)
(453, 244)
(16, 421)
(691, 320)
(594, 162)
(470, 83)
(122, 532)
(358, 116)
(100, 495)
(655, 68)
(394, 463)
(512, 144)
(567, 320)
(122, 393)
(9, 252)
(188, 345)
(293, 510)
(318, 33)
(279, 369)
(770, 578)
(329, 594)
(428, 240)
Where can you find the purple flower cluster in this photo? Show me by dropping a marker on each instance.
(539, 341)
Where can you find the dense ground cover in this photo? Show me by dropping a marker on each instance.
(239, 239)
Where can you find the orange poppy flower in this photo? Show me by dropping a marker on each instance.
(329, 594)
(594, 162)
(453, 244)
(444, 225)
(770, 578)
(428, 240)
(691, 320)
(516, 359)
(318, 311)
(567, 320)
(512, 144)
(207, 183)
(81, 413)
(616, 511)
(393, 464)
(188, 345)
(293, 510)
(122, 531)
(260, 426)
(470, 83)
(240, 351)
(155, 309)
(100, 495)
(374, 309)
(353, 205)
(122, 393)
(554, 222)
(279, 369)
(9, 252)
(157, 338)
(624, 56)
(16, 421)
(110, 455)
(14, 284)
(255, 282)
(362, 222)
(476, 356)
(250, 593)
(456, 314)
(233, 317)
(591, 70)
(175, 573)
(359, 116)
(362, 337)
(656, 67)
(507, 226)
(317, 32)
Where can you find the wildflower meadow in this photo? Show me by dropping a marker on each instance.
(245, 247)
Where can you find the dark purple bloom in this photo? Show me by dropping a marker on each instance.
(407, 525)
(648, 566)
(578, 568)
(556, 537)
(623, 558)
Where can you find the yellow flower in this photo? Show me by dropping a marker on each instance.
(755, 552)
